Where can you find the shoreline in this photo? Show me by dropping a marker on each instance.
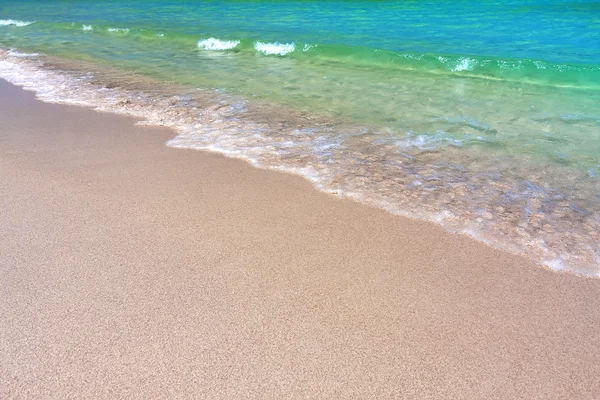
(510, 208)
(131, 269)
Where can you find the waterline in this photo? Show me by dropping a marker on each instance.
(507, 202)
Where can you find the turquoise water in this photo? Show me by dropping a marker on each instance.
(481, 115)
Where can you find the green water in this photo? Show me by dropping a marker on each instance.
(408, 66)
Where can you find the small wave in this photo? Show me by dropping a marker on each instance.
(464, 64)
(14, 22)
(15, 53)
(118, 30)
(523, 71)
(459, 64)
(217, 44)
(276, 48)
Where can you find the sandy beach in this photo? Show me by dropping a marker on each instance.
(134, 270)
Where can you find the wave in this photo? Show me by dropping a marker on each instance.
(14, 22)
(217, 44)
(117, 30)
(459, 64)
(517, 70)
(528, 71)
(266, 48)
(484, 67)
(18, 54)
(275, 48)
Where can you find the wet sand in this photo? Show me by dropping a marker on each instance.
(134, 270)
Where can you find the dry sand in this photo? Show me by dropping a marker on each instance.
(132, 270)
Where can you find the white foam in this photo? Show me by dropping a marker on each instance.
(443, 216)
(217, 44)
(87, 27)
(276, 48)
(14, 22)
(15, 53)
(120, 30)
(464, 64)
(556, 264)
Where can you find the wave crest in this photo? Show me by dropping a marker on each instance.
(217, 44)
(276, 48)
(14, 22)
(118, 30)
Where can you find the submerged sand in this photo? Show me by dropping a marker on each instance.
(132, 270)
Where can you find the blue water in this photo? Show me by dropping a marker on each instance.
(557, 31)
(481, 115)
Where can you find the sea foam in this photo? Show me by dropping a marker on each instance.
(275, 48)
(457, 65)
(464, 64)
(14, 53)
(119, 30)
(217, 44)
(5, 22)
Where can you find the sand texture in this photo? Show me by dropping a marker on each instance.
(132, 270)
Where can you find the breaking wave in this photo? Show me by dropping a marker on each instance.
(13, 22)
(217, 44)
(275, 48)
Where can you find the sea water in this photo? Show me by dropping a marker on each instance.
(482, 116)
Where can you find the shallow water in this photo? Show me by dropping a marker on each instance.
(483, 117)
